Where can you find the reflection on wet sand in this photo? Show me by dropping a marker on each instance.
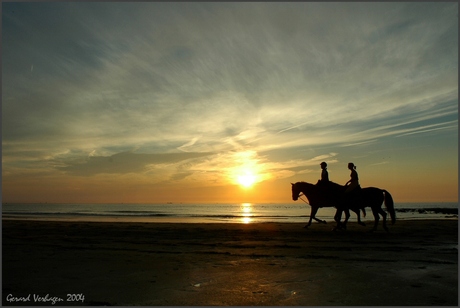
(246, 213)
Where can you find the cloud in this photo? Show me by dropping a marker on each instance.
(123, 163)
(213, 79)
(188, 144)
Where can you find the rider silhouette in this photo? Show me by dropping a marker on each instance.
(354, 181)
(353, 187)
(324, 173)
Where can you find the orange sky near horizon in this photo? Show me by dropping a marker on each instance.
(132, 189)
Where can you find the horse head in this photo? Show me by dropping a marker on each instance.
(295, 191)
(307, 189)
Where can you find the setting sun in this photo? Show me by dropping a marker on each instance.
(246, 180)
(247, 170)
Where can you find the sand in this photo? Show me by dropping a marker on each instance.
(229, 264)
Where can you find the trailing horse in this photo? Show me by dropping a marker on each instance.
(372, 197)
(323, 194)
(332, 194)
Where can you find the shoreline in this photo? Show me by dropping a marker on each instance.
(205, 220)
(203, 213)
(113, 263)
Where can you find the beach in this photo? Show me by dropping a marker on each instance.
(122, 263)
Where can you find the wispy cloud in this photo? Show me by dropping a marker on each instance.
(126, 162)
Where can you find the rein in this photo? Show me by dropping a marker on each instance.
(300, 197)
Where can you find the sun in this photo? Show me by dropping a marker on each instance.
(247, 179)
(246, 169)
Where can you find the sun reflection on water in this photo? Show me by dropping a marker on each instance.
(246, 212)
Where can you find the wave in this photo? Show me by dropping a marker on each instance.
(114, 214)
(448, 211)
(221, 213)
(144, 214)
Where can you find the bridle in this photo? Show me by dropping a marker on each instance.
(300, 197)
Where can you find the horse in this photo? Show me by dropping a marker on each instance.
(324, 194)
(372, 197)
(334, 195)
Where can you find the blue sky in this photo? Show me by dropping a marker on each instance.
(173, 95)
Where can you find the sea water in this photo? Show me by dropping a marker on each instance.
(292, 212)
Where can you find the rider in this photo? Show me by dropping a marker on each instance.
(324, 173)
(353, 182)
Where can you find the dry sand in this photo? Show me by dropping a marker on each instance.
(230, 264)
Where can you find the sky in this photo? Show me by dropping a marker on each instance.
(227, 102)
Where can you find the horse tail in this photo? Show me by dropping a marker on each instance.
(389, 204)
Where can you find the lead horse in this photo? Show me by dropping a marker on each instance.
(323, 194)
(331, 194)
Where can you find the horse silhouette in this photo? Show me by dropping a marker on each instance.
(323, 194)
(331, 194)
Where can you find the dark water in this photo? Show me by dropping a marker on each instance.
(237, 212)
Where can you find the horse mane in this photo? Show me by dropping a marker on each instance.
(336, 185)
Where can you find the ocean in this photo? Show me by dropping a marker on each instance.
(295, 212)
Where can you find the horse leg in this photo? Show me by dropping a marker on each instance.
(359, 216)
(317, 219)
(347, 216)
(376, 219)
(337, 218)
(320, 221)
(308, 224)
(384, 219)
(314, 209)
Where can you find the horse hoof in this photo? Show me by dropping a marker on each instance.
(306, 226)
(324, 222)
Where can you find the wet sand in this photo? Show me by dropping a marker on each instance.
(148, 264)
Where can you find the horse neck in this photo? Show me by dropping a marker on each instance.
(336, 186)
(307, 188)
(311, 190)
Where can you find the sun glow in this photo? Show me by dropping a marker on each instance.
(246, 169)
(246, 180)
